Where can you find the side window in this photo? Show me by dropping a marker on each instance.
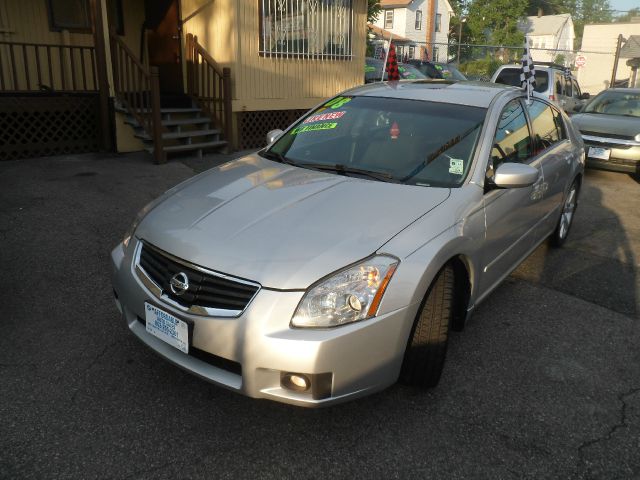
(512, 141)
(548, 127)
(558, 87)
(576, 89)
(568, 90)
(559, 122)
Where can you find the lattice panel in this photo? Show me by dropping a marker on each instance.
(38, 126)
(254, 126)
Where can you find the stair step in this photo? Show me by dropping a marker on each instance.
(186, 121)
(176, 135)
(190, 147)
(194, 146)
(180, 110)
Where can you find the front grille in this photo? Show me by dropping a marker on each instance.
(206, 289)
(213, 360)
(607, 135)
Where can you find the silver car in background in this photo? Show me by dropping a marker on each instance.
(337, 260)
(610, 128)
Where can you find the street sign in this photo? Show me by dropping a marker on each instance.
(581, 61)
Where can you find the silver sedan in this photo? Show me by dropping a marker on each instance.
(337, 260)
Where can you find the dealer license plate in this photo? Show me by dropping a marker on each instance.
(601, 153)
(167, 327)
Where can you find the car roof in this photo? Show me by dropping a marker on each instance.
(474, 94)
(537, 67)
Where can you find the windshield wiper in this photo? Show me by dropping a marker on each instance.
(345, 170)
(278, 157)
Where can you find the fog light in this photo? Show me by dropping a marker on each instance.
(295, 381)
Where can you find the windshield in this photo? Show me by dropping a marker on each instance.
(409, 72)
(615, 103)
(449, 72)
(409, 141)
(373, 71)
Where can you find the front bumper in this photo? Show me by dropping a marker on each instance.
(625, 156)
(250, 353)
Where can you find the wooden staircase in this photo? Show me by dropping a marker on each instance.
(191, 124)
(184, 130)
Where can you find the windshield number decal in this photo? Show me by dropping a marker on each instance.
(314, 127)
(325, 116)
(337, 102)
(456, 166)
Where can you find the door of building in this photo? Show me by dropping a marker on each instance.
(163, 40)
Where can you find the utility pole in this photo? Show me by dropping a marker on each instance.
(615, 61)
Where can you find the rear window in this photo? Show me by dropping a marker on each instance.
(511, 76)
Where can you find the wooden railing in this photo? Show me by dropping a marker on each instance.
(28, 67)
(138, 91)
(209, 85)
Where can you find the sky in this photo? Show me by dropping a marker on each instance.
(624, 4)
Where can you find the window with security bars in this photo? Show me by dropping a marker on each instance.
(306, 28)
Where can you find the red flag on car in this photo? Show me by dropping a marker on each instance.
(393, 74)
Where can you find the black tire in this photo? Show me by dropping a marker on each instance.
(427, 347)
(567, 214)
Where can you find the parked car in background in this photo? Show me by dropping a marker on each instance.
(438, 70)
(374, 67)
(449, 72)
(610, 127)
(427, 68)
(552, 81)
(337, 260)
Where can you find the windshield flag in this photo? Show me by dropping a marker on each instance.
(528, 72)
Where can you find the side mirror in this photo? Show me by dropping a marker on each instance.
(515, 175)
(273, 135)
(585, 96)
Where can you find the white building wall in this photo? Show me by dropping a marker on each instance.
(441, 37)
(418, 36)
(596, 74)
(404, 25)
(399, 21)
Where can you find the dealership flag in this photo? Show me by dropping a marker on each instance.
(393, 74)
(528, 72)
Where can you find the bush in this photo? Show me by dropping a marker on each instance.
(481, 69)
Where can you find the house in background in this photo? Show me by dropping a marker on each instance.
(550, 36)
(599, 43)
(422, 25)
(168, 75)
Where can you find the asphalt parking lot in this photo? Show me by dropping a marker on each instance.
(543, 383)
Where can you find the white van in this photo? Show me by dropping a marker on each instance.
(552, 81)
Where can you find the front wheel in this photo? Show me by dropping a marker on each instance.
(427, 347)
(561, 232)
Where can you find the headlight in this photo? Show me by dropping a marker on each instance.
(346, 296)
(132, 228)
(638, 137)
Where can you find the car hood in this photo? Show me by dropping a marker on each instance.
(607, 124)
(282, 226)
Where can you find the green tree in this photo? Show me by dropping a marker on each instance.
(373, 10)
(496, 21)
(634, 12)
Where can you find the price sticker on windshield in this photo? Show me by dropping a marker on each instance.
(456, 166)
